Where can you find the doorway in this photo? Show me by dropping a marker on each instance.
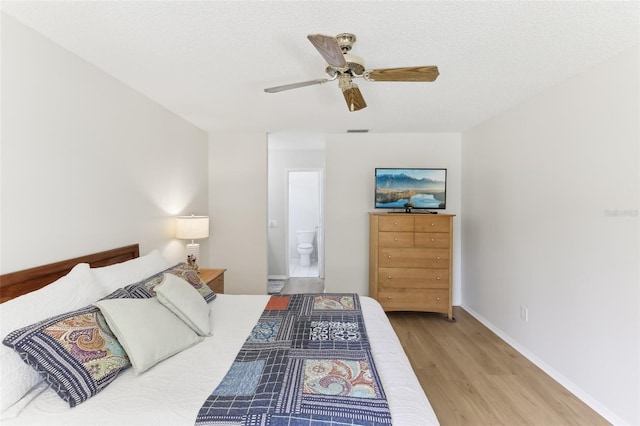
(295, 155)
(305, 245)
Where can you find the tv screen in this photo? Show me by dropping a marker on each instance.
(423, 188)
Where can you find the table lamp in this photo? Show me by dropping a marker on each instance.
(192, 228)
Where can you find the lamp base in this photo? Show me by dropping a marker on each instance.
(193, 252)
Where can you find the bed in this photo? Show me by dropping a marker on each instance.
(173, 391)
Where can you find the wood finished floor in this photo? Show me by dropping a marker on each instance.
(472, 377)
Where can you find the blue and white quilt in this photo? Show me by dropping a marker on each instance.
(306, 362)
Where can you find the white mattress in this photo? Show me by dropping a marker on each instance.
(172, 392)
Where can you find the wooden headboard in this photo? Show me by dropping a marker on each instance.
(18, 283)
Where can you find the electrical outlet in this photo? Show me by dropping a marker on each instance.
(524, 313)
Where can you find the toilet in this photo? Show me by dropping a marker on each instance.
(305, 246)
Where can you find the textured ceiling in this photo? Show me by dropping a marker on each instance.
(209, 61)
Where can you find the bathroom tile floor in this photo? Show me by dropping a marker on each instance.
(295, 270)
(303, 279)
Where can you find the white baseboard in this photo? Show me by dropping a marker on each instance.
(568, 384)
(277, 277)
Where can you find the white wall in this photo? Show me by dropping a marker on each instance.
(350, 163)
(87, 163)
(238, 210)
(550, 199)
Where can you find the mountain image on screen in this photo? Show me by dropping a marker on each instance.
(403, 181)
(418, 188)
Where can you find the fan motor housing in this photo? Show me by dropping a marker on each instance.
(355, 67)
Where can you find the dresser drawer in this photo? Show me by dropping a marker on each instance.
(395, 223)
(389, 257)
(432, 239)
(395, 239)
(395, 278)
(415, 300)
(432, 223)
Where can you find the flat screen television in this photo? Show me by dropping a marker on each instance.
(422, 188)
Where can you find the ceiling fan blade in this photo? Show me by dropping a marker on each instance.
(354, 98)
(427, 73)
(329, 49)
(296, 85)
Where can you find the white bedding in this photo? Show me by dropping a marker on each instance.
(172, 392)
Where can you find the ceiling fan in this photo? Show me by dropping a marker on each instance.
(344, 66)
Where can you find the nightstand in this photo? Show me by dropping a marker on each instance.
(214, 278)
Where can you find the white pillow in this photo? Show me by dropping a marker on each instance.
(16, 408)
(147, 331)
(118, 275)
(75, 290)
(186, 302)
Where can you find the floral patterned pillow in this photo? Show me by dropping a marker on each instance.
(76, 352)
(145, 288)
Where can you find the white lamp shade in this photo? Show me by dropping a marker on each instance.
(192, 227)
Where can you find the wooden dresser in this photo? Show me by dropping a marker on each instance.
(410, 258)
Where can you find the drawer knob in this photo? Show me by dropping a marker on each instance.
(389, 256)
(438, 299)
(433, 240)
(437, 278)
(388, 277)
(395, 223)
(396, 238)
(437, 257)
(389, 297)
(433, 224)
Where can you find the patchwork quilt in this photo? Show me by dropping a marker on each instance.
(306, 362)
